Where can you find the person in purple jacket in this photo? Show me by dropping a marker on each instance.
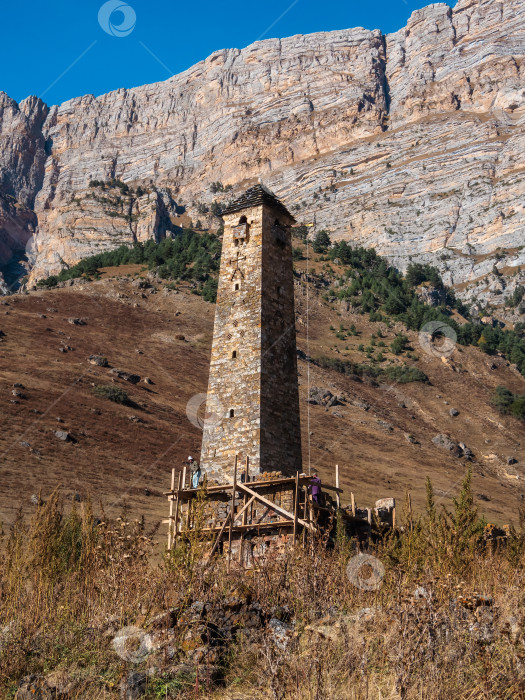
(315, 487)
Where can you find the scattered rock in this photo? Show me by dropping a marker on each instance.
(388, 427)
(141, 284)
(76, 321)
(323, 397)
(454, 412)
(133, 686)
(98, 360)
(458, 449)
(386, 503)
(410, 438)
(483, 497)
(512, 460)
(280, 633)
(126, 376)
(135, 419)
(147, 380)
(361, 404)
(180, 336)
(63, 435)
(421, 594)
(18, 394)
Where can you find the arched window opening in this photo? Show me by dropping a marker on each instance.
(232, 413)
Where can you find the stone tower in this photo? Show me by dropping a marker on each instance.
(252, 406)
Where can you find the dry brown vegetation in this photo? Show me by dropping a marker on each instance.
(446, 621)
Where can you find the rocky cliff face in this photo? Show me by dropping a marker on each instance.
(409, 142)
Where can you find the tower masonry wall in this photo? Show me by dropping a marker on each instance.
(252, 407)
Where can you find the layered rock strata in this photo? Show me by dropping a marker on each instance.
(410, 142)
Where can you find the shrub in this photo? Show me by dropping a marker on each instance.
(112, 393)
(404, 374)
(399, 344)
(509, 403)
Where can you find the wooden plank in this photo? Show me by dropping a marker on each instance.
(171, 509)
(243, 510)
(213, 529)
(234, 488)
(296, 506)
(352, 500)
(246, 479)
(177, 511)
(254, 484)
(243, 528)
(273, 506)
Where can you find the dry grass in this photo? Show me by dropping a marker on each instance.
(69, 583)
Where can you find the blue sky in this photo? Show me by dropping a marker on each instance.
(59, 50)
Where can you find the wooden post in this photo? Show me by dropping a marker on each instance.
(170, 526)
(220, 534)
(295, 506)
(177, 510)
(352, 500)
(233, 514)
(246, 476)
(410, 511)
(337, 499)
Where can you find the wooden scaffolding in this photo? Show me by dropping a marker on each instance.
(255, 513)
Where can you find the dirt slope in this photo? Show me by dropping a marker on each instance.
(380, 435)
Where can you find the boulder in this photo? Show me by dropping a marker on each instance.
(98, 360)
(63, 435)
(457, 449)
(454, 412)
(323, 397)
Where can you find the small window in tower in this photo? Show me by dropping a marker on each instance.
(234, 354)
(237, 286)
(240, 232)
(232, 413)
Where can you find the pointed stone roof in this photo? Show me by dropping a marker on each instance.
(254, 197)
